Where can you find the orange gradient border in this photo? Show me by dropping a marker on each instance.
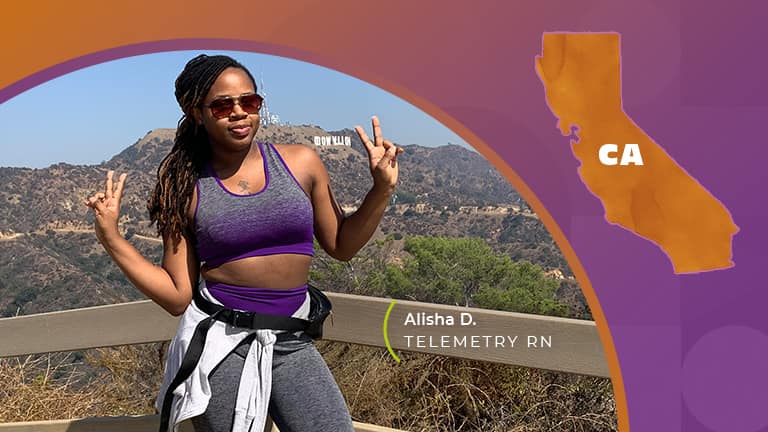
(38, 36)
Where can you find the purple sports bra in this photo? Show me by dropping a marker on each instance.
(276, 220)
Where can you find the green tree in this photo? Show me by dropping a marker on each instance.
(525, 289)
(466, 271)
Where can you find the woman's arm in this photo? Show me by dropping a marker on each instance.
(342, 237)
(169, 285)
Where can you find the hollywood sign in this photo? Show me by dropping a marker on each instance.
(332, 140)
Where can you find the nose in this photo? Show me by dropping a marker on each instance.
(237, 111)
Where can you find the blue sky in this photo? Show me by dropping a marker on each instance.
(89, 115)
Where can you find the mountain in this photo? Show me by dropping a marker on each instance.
(52, 260)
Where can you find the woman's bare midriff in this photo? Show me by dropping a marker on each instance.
(282, 271)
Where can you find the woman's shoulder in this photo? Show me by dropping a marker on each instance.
(297, 153)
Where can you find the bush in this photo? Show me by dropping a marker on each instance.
(467, 272)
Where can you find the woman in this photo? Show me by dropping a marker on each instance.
(237, 218)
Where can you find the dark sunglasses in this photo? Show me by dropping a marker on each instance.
(250, 103)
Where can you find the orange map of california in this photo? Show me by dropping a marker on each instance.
(641, 187)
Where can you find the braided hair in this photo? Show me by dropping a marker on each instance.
(180, 169)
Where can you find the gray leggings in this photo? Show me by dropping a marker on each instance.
(304, 398)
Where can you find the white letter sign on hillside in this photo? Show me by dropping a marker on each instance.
(332, 140)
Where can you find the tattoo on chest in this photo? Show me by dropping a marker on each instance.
(244, 186)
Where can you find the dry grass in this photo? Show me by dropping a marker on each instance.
(128, 377)
(423, 393)
(43, 388)
(434, 393)
(101, 382)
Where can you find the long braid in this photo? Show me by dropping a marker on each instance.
(180, 169)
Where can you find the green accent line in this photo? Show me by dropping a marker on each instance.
(386, 338)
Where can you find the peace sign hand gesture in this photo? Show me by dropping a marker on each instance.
(382, 156)
(106, 207)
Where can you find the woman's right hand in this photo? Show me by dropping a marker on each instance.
(106, 207)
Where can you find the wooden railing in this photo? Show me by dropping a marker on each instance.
(557, 344)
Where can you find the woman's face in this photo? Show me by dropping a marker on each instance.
(233, 132)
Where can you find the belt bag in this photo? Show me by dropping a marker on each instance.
(320, 308)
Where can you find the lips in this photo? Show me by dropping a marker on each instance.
(240, 130)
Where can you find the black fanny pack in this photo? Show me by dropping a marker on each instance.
(320, 309)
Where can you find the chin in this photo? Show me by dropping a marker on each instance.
(248, 139)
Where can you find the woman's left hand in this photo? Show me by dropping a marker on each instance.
(382, 156)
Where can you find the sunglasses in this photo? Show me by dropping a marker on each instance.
(250, 103)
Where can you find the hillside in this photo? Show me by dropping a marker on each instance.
(52, 260)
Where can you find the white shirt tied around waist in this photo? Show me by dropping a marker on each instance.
(190, 399)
